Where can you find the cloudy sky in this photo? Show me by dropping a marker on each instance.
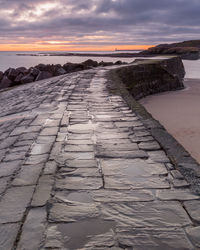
(96, 24)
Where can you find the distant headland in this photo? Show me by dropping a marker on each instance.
(189, 50)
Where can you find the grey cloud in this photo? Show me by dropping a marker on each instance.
(126, 21)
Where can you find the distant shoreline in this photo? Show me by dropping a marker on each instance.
(127, 55)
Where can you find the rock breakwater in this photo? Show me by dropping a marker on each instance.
(22, 75)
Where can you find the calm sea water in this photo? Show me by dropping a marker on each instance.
(10, 59)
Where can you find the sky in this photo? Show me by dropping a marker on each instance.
(96, 24)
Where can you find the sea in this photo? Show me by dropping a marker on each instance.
(12, 59)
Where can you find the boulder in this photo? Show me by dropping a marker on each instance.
(41, 67)
(22, 70)
(43, 75)
(5, 82)
(118, 62)
(90, 64)
(103, 64)
(73, 67)
(34, 71)
(1, 75)
(19, 78)
(27, 79)
(11, 73)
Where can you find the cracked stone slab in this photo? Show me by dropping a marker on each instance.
(43, 191)
(39, 149)
(193, 209)
(149, 146)
(194, 233)
(8, 235)
(82, 172)
(9, 168)
(118, 147)
(132, 168)
(81, 163)
(49, 131)
(176, 194)
(36, 159)
(33, 230)
(154, 239)
(159, 156)
(119, 196)
(14, 203)
(28, 175)
(79, 148)
(122, 154)
(79, 183)
(138, 183)
(152, 215)
(72, 211)
(78, 155)
(3, 184)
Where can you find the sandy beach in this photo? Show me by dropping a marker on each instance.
(179, 113)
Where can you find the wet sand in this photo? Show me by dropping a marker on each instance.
(179, 113)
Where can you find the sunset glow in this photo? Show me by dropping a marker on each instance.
(55, 46)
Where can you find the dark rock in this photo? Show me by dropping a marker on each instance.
(11, 74)
(18, 78)
(57, 70)
(72, 67)
(118, 62)
(41, 67)
(90, 63)
(5, 82)
(22, 70)
(43, 75)
(27, 78)
(103, 64)
(34, 71)
(1, 75)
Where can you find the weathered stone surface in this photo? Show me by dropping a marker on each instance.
(119, 196)
(3, 184)
(76, 183)
(71, 212)
(176, 194)
(156, 214)
(136, 154)
(33, 230)
(32, 160)
(193, 209)
(8, 235)
(43, 191)
(14, 203)
(62, 126)
(145, 238)
(39, 149)
(149, 146)
(9, 168)
(28, 175)
(158, 156)
(194, 235)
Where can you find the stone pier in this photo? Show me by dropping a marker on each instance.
(79, 170)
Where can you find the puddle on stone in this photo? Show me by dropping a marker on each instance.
(83, 197)
(83, 126)
(76, 234)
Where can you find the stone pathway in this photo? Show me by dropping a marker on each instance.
(78, 170)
